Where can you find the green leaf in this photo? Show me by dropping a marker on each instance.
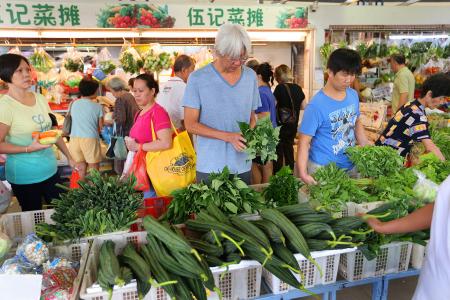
(231, 207)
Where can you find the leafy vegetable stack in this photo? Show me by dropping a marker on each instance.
(102, 204)
(226, 191)
(283, 188)
(262, 140)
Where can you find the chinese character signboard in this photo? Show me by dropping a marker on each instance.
(146, 14)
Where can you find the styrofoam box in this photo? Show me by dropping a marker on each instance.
(19, 225)
(240, 281)
(392, 258)
(418, 253)
(328, 261)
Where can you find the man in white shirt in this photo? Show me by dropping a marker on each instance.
(171, 95)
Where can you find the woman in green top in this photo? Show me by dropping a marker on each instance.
(31, 168)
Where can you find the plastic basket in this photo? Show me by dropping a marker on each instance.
(240, 281)
(327, 260)
(418, 253)
(155, 207)
(392, 258)
(19, 225)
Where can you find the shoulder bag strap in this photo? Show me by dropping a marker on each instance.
(290, 96)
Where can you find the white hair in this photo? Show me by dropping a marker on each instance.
(117, 84)
(232, 40)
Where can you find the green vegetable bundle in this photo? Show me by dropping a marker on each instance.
(73, 65)
(225, 190)
(433, 168)
(107, 66)
(375, 161)
(335, 188)
(102, 204)
(131, 61)
(41, 60)
(262, 140)
(283, 188)
(157, 62)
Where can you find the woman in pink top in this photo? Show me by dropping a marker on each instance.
(145, 89)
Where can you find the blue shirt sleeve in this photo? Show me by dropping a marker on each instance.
(311, 121)
(191, 97)
(264, 104)
(256, 97)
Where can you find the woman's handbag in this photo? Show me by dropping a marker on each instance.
(174, 168)
(67, 124)
(286, 115)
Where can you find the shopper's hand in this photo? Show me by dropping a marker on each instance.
(131, 144)
(308, 179)
(237, 140)
(375, 224)
(36, 146)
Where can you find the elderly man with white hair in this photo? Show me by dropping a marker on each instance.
(219, 96)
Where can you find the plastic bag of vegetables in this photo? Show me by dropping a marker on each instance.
(105, 62)
(33, 250)
(130, 59)
(157, 60)
(5, 244)
(73, 60)
(41, 60)
(425, 189)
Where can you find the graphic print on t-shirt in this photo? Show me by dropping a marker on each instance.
(40, 120)
(343, 128)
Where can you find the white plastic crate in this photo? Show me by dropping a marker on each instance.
(352, 208)
(392, 258)
(240, 281)
(328, 261)
(19, 225)
(418, 253)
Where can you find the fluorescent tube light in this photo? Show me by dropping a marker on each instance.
(417, 36)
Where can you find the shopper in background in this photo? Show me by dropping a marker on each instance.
(125, 109)
(219, 96)
(87, 121)
(331, 121)
(410, 123)
(31, 168)
(435, 272)
(287, 100)
(130, 83)
(172, 94)
(404, 82)
(252, 64)
(145, 89)
(261, 172)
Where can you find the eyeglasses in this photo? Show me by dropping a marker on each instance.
(241, 60)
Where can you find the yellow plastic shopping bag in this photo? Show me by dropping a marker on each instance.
(174, 168)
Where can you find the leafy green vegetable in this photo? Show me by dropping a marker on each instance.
(41, 60)
(335, 188)
(433, 168)
(102, 204)
(375, 161)
(283, 188)
(225, 190)
(262, 140)
(131, 61)
(107, 66)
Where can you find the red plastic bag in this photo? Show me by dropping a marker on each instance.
(139, 170)
(74, 180)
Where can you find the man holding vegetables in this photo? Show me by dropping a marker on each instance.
(410, 123)
(331, 120)
(216, 98)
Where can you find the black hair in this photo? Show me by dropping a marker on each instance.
(8, 65)
(265, 70)
(183, 62)
(399, 58)
(150, 81)
(346, 60)
(131, 81)
(88, 87)
(438, 84)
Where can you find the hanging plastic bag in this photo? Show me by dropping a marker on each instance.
(127, 165)
(425, 189)
(105, 62)
(120, 149)
(130, 59)
(5, 242)
(41, 60)
(74, 178)
(139, 170)
(33, 250)
(73, 60)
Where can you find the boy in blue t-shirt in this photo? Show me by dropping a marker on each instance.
(331, 120)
